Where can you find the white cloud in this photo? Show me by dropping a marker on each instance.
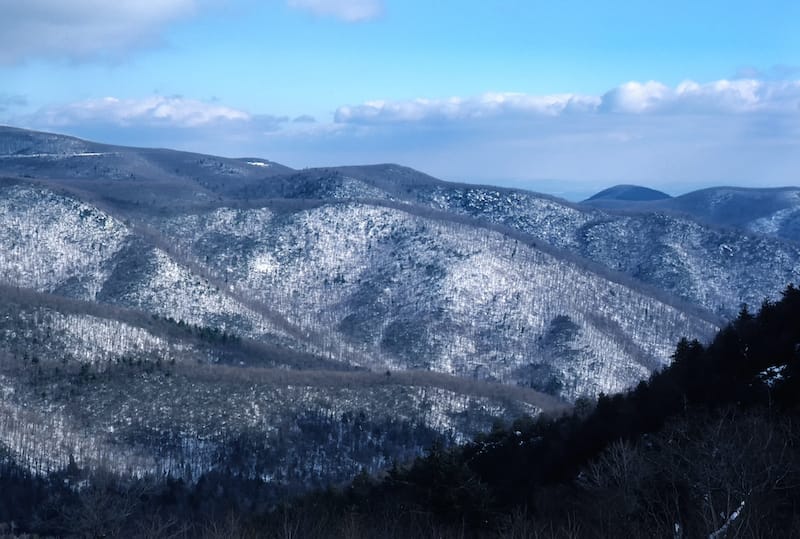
(107, 29)
(635, 97)
(456, 108)
(151, 111)
(346, 10)
(718, 97)
(722, 96)
(79, 29)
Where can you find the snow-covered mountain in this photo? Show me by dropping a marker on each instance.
(365, 283)
(173, 292)
(714, 267)
(769, 211)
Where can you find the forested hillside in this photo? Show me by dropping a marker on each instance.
(362, 284)
(104, 387)
(705, 447)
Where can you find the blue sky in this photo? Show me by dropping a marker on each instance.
(563, 97)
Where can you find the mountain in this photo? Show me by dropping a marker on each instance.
(768, 211)
(717, 268)
(712, 267)
(130, 178)
(707, 265)
(774, 211)
(185, 310)
(364, 284)
(333, 263)
(608, 198)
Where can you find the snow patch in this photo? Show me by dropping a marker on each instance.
(772, 375)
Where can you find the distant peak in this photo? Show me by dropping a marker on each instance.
(629, 193)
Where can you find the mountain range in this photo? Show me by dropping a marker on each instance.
(154, 295)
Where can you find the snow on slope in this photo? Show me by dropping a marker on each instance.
(50, 241)
(716, 268)
(407, 291)
(719, 269)
(172, 290)
(97, 340)
(54, 243)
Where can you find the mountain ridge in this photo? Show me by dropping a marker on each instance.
(193, 314)
(566, 232)
(218, 279)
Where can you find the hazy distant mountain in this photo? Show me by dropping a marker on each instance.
(624, 193)
(774, 212)
(131, 178)
(769, 211)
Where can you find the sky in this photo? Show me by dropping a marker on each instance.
(562, 97)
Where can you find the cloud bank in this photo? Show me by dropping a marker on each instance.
(165, 121)
(719, 97)
(457, 108)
